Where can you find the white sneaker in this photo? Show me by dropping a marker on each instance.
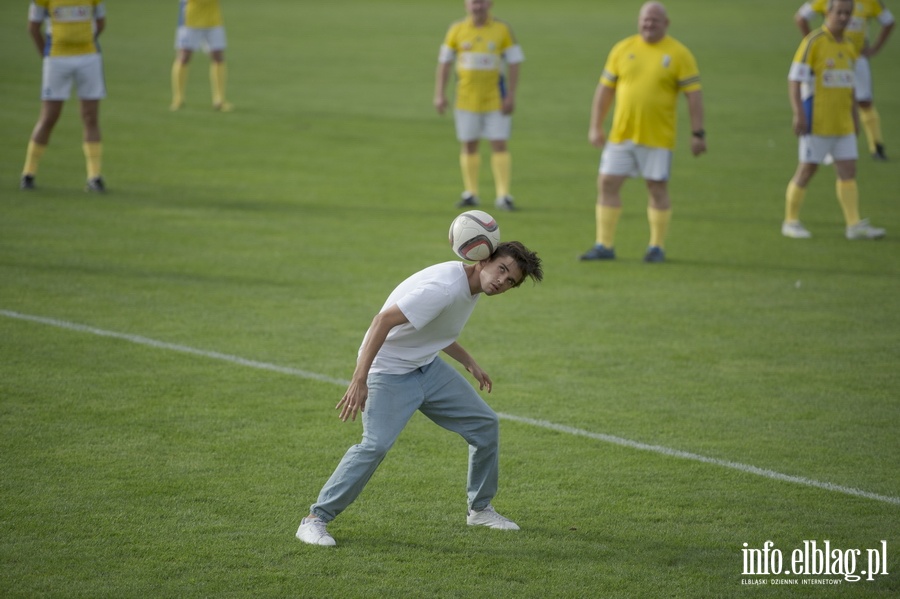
(794, 230)
(312, 531)
(505, 203)
(490, 518)
(863, 230)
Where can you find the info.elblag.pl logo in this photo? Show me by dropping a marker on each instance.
(823, 562)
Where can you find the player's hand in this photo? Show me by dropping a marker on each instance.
(509, 105)
(481, 376)
(354, 401)
(799, 125)
(698, 145)
(440, 104)
(597, 138)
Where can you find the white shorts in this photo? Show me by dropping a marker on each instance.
(84, 70)
(632, 160)
(208, 39)
(862, 74)
(472, 126)
(819, 149)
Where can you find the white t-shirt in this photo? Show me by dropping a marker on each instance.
(438, 303)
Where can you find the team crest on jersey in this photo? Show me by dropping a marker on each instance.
(829, 64)
(467, 45)
(666, 61)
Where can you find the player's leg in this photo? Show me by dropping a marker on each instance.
(186, 41)
(452, 403)
(498, 127)
(868, 114)
(218, 73)
(617, 163)
(91, 90)
(468, 132)
(392, 401)
(40, 138)
(845, 155)
(655, 165)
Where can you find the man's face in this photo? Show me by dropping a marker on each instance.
(499, 275)
(652, 23)
(478, 8)
(839, 15)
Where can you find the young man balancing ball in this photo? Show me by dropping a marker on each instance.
(399, 371)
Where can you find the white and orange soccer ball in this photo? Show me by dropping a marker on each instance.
(474, 235)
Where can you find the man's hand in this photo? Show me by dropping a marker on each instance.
(354, 401)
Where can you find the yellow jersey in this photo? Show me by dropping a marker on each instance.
(480, 53)
(71, 25)
(863, 11)
(824, 67)
(647, 79)
(200, 14)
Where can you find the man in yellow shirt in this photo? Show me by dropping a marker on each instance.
(481, 47)
(820, 84)
(71, 54)
(643, 76)
(200, 25)
(864, 11)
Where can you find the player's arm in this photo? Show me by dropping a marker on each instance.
(802, 17)
(37, 35)
(446, 57)
(799, 124)
(883, 36)
(456, 351)
(354, 399)
(603, 100)
(512, 82)
(695, 111)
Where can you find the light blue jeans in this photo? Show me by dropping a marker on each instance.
(444, 396)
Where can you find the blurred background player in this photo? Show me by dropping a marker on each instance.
(200, 25)
(820, 86)
(481, 46)
(71, 54)
(643, 76)
(864, 11)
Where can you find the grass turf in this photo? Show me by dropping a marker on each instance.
(273, 233)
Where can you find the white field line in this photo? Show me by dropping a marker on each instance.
(675, 453)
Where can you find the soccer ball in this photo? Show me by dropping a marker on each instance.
(474, 235)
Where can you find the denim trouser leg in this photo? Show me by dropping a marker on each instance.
(446, 398)
(452, 403)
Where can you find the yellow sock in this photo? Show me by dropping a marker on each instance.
(93, 157)
(659, 225)
(501, 166)
(470, 164)
(218, 76)
(848, 196)
(793, 201)
(33, 157)
(871, 122)
(179, 83)
(607, 221)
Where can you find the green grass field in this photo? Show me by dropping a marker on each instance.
(171, 352)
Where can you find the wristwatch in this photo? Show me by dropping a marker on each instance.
(699, 133)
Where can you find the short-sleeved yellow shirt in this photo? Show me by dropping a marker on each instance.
(201, 14)
(647, 79)
(71, 29)
(479, 53)
(863, 11)
(825, 67)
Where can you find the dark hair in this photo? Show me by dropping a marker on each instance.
(527, 261)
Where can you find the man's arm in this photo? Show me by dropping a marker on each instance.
(101, 25)
(37, 35)
(441, 76)
(883, 36)
(695, 110)
(512, 82)
(603, 100)
(799, 123)
(456, 351)
(354, 399)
